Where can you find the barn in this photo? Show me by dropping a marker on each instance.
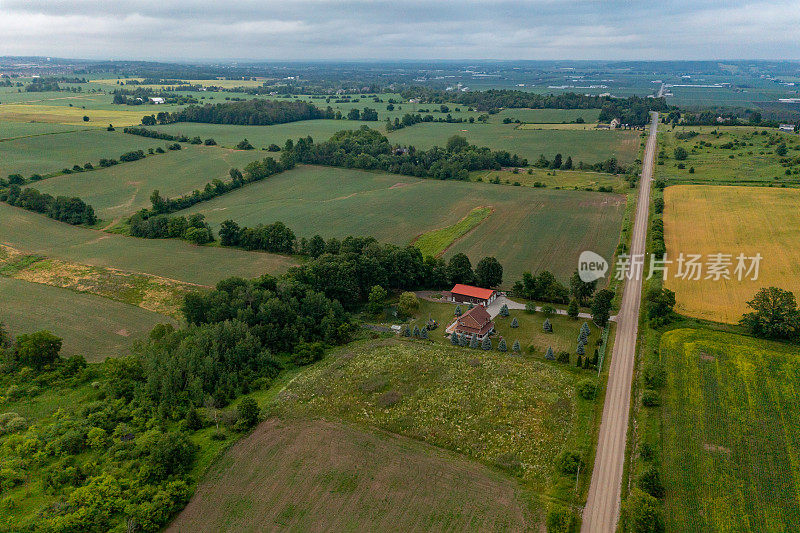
(467, 294)
(475, 322)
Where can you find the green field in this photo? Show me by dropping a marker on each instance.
(13, 130)
(556, 179)
(752, 161)
(590, 146)
(50, 153)
(530, 229)
(123, 189)
(547, 116)
(263, 136)
(731, 433)
(515, 413)
(33, 233)
(90, 325)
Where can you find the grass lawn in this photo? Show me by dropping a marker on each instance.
(529, 229)
(590, 146)
(532, 338)
(704, 219)
(123, 189)
(34, 233)
(752, 161)
(731, 433)
(90, 325)
(43, 154)
(514, 413)
(319, 475)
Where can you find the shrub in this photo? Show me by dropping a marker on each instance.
(563, 357)
(248, 412)
(569, 462)
(650, 398)
(587, 389)
(559, 519)
(641, 513)
(654, 376)
(650, 482)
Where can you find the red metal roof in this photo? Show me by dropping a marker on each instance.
(475, 292)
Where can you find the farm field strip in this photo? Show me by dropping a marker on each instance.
(51, 114)
(324, 475)
(706, 219)
(123, 189)
(33, 233)
(731, 443)
(89, 325)
(530, 229)
(153, 293)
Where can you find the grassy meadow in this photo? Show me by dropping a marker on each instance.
(33, 233)
(556, 179)
(123, 189)
(751, 159)
(730, 433)
(311, 475)
(701, 219)
(89, 325)
(529, 229)
(60, 114)
(514, 413)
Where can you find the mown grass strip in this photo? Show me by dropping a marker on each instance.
(436, 242)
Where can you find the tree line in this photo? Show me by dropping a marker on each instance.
(368, 149)
(256, 112)
(71, 210)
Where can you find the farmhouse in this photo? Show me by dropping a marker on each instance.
(467, 294)
(474, 323)
(156, 100)
(786, 127)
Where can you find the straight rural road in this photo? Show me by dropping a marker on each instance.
(603, 504)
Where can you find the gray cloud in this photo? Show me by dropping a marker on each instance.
(361, 29)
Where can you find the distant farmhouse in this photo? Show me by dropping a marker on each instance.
(467, 294)
(156, 100)
(786, 127)
(474, 323)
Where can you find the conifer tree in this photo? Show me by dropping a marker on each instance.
(549, 354)
(547, 326)
(514, 323)
(487, 343)
(502, 346)
(515, 347)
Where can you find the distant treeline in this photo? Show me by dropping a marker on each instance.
(141, 96)
(368, 149)
(65, 209)
(409, 119)
(254, 112)
(632, 110)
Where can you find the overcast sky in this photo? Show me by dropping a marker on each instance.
(404, 29)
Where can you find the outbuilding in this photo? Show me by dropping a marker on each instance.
(467, 294)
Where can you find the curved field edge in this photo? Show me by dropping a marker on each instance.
(89, 325)
(436, 242)
(315, 475)
(153, 293)
(731, 437)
